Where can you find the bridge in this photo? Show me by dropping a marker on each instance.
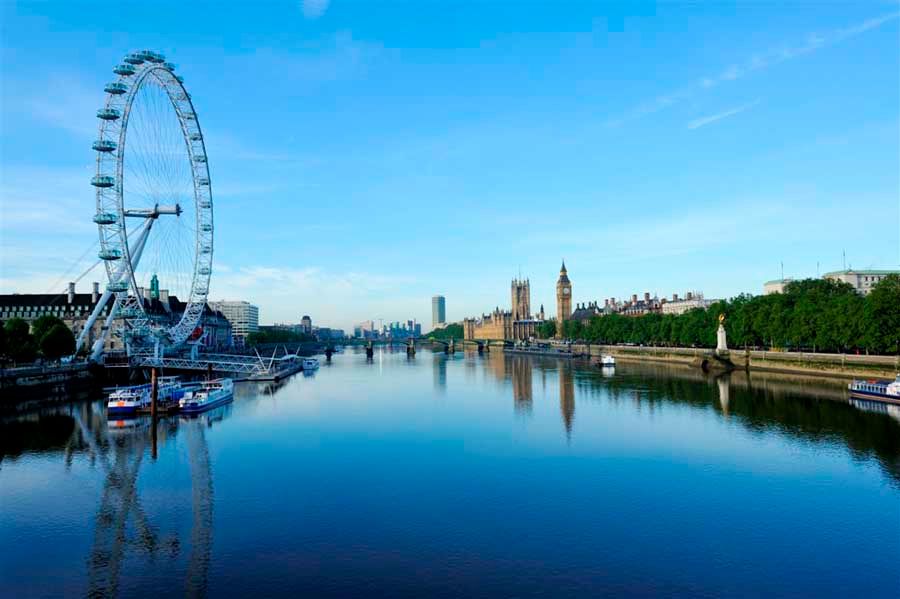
(254, 367)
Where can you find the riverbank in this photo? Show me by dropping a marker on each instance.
(846, 366)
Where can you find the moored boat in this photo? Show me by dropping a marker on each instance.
(607, 360)
(125, 401)
(878, 390)
(207, 396)
(310, 364)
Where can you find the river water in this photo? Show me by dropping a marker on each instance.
(466, 475)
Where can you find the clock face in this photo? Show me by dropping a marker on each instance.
(566, 291)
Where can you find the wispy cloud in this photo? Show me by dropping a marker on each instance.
(313, 9)
(755, 63)
(708, 120)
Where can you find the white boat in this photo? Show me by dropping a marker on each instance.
(607, 360)
(310, 364)
(208, 395)
(126, 401)
(878, 390)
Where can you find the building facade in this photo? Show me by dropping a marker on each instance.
(438, 311)
(306, 325)
(775, 286)
(563, 299)
(74, 309)
(516, 324)
(692, 301)
(244, 317)
(520, 293)
(861, 280)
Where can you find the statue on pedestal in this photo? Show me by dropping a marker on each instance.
(721, 342)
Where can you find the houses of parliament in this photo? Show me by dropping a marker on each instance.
(518, 323)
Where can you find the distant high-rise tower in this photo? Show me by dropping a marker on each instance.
(438, 311)
(563, 299)
(521, 299)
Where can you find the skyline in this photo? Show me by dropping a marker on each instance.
(661, 150)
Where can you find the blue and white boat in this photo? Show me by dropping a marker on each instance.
(310, 364)
(128, 401)
(878, 390)
(208, 395)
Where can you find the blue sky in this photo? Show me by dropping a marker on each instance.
(367, 155)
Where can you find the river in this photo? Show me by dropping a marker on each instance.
(473, 475)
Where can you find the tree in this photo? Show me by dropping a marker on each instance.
(883, 315)
(451, 331)
(57, 342)
(547, 329)
(43, 324)
(20, 345)
(573, 329)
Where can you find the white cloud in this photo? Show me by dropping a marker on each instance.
(313, 9)
(283, 294)
(757, 62)
(708, 120)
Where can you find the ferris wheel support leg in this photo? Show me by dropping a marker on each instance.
(91, 320)
(97, 350)
(139, 248)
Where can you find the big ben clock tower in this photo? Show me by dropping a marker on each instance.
(563, 299)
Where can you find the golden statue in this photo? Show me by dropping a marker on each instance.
(721, 319)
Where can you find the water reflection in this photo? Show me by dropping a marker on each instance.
(124, 531)
(814, 408)
(567, 397)
(439, 371)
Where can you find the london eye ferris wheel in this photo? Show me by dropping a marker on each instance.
(154, 211)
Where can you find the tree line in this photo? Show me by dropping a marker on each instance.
(451, 331)
(811, 315)
(264, 336)
(47, 337)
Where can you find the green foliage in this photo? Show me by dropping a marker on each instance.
(882, 328)
(451, 331)
(57, 342)
(20, 345)
(573, 329)
(264, 336)
(813, 314)
(42, 325)
(547, 329)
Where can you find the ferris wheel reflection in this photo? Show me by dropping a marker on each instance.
(125, 531)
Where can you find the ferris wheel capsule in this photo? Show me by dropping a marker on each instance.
(103, 181)
(125, 70)
(110, 254)
(169, 65)
(105, 218)
(135, 58)
(118, 286)
(108, 114)
(115, 88)
(104, 145)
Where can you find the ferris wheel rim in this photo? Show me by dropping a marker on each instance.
(137, 70)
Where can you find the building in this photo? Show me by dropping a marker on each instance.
(438, 311)
(563, 299)
(365, 330)
(306, 325)
(583, 313)
(520, 291)
(861, 280)
(692, 301)
(74, 309)
(244, 317)
(775, 286)
(514, 324)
